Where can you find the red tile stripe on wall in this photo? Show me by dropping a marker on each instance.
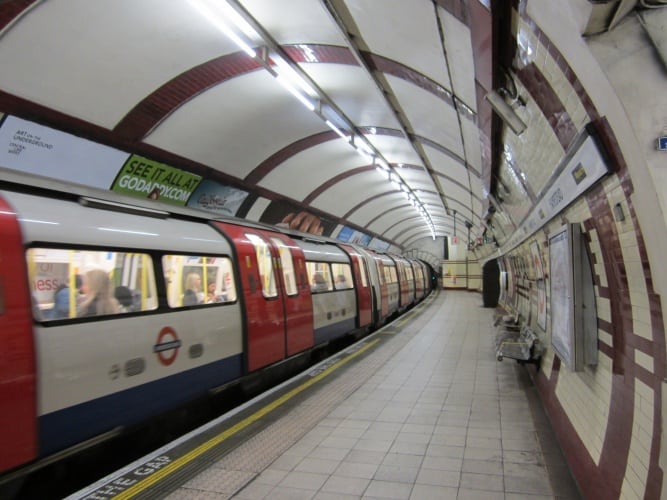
(605, 480)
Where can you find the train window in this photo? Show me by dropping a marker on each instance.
(68, 283)
(362, 270)
(319, 276)
(287, 265)
(185, 276)
(343, 276)
(265, 263)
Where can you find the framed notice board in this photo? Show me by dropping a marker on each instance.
(572, 299)
(561, 291)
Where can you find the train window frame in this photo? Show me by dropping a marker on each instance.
(225, 290)
(136, 301)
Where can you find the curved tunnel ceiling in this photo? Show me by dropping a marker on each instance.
(398, 79)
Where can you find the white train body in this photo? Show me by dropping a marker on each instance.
(68, 375)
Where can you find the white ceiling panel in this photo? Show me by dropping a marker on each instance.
(402, 31)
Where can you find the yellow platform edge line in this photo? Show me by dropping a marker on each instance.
(204, 447)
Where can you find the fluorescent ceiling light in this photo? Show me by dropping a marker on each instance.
(385, 173)
(304, 100)
(336, 129)
(365, 155)
(290, 74)
(382, 163)
(219, 14)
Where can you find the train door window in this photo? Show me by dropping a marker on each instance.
(393, 278)
(265, 263)
(287, 265)
(342, 276)
(68, 283)
(387, 274)
(319, 276)
(362, 270)
(197, 279)
(409, 272)
(401, 271)
(381, 276)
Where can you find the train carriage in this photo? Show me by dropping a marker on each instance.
(96, 371)
(112, 314)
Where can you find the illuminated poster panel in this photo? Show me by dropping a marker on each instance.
(146, 178)
(285, 214)
(349, 235)
(35, 149)
(503, 281)
(562, 312)
(218, 198)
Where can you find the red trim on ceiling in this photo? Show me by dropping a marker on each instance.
(268, 165)
(399, 207)
(451, 154)
(335, 180)
(359, 205)
(457, 8)
(317, 53)
(12, 9)
(391, 67)
(404, 231)
(147, 114)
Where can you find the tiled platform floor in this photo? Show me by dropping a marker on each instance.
(430, 414)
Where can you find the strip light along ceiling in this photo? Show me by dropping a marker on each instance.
(226, 17)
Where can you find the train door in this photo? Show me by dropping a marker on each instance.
(403, 289)
(263, 300)
(384, 290)
(391, 283)
(298, 312)
(420, 282)
(362, 286)
(18, 424)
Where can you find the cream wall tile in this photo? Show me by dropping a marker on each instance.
(604, 309)
(644, 360)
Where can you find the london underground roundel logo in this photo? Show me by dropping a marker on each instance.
(167, 346)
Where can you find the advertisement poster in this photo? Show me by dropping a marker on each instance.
(537, 260)
(503, 281)
(349, 235)
(144, 178)
(541, 305)
(214, 197)
(282, 213)
(35, 149)
(379, 245)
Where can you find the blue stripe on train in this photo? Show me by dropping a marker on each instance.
(64, 428)
(330, 332)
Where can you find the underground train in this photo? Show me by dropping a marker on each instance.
(112, 314)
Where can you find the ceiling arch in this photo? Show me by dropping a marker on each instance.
(404, 102)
